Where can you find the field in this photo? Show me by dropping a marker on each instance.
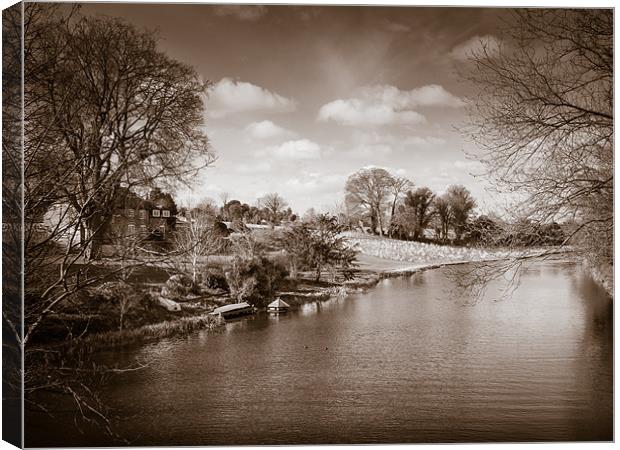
(398, 250)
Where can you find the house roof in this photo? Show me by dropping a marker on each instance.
(278, 303)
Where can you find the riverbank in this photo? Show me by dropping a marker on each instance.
(378, 258)
(154, 332)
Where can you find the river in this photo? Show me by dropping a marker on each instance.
(414, 359)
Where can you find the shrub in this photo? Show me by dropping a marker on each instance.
(255, 280)
(116, 297)
(320, 245)
(216, 280)
(179, 286)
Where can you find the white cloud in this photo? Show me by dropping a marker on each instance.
(423, 141)
(371, 151)
(296, 150)
(475, 46)
(386, 105)
(374, 144)
(469, 166)
(229, 96)
(355, 111)
(393, 171)
(429, 95)
(260, 167)
(267, 130)
(316, 183)
(241, 12)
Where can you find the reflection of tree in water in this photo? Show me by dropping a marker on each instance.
(596, 342)
(418, 279)
(471, 282)
(598, 305)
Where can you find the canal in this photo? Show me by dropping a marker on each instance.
(415, 359)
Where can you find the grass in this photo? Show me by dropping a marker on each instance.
(418, 252)
(133, 336)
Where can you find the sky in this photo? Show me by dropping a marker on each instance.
(304, 96)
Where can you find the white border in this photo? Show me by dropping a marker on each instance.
(458, 3)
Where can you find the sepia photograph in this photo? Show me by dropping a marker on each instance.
(245, 224)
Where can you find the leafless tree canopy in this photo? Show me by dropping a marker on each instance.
(104, 108)
(275, 204)
(543, 115)
(369, 190)
(195, 242)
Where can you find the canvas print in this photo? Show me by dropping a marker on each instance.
(298, 224)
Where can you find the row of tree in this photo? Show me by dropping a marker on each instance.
(271, 208)
(385, 204)
(388, 204)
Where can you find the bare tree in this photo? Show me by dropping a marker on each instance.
(398, 187)
(224, 197)
(103, 101)
(275, 205)
(195, 241)
(369, 189)
(442, 217)
(543, 114)
(207, 206)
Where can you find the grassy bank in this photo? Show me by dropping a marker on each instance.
(148, 333)
(378, 258)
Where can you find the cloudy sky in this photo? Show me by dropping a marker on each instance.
(304, 96)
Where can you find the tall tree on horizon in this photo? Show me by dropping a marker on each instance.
(369, 189)
(461, 205)
(420, 201)
(275, 205)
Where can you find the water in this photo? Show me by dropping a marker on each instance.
(413, 360)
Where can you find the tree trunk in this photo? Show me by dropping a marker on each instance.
(293, 269)
(392, 216)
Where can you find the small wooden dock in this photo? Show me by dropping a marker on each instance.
(234, 310)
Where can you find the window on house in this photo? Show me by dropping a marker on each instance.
(156, 213)
(165, 213)
(142, 214)
(131, 230)
(143, 230)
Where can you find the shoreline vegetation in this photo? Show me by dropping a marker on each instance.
(378, 258)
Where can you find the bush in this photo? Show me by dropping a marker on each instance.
(117, 298)
(179, 286)
(255, 280)
(216, 280)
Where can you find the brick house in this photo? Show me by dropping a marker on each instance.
(136, 220)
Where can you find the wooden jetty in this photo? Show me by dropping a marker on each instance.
(234, 310)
